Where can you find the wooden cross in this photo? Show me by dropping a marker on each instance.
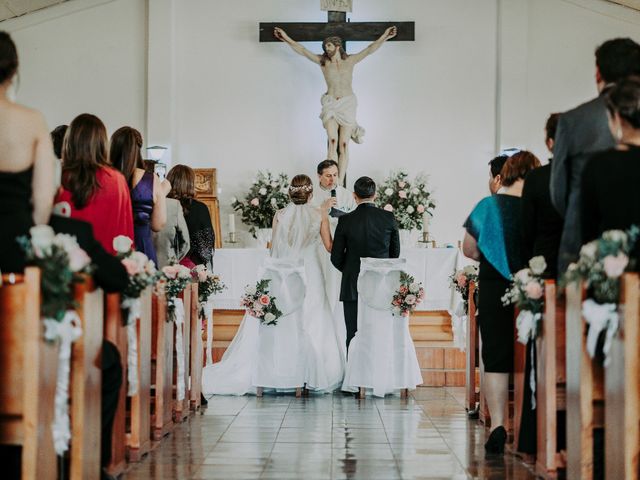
(337, 25)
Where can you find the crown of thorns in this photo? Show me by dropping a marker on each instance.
(303, 188)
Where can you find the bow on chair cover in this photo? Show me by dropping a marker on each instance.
(281, 347)
(381, 356)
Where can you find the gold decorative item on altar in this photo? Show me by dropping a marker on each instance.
(207, 193)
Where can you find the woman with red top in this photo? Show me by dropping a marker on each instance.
(94, 191)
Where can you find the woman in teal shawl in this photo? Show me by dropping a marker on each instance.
(493, 238)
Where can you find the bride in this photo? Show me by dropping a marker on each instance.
(298, 232)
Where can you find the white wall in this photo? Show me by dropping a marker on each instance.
(482, 74)
(84, 56)
(427, 105)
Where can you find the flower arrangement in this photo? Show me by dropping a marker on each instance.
(600, 265)
(208, 284)
(461, 279)
(260, 304)
(268, 194)
(408, 200)
(176, 278)
(527, 294)
(61, 261)
(408, 296)
(142, 271)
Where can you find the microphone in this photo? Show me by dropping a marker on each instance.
(333, 193)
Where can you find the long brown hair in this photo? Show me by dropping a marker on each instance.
(183, 185)
(124, 152)
(84, 152)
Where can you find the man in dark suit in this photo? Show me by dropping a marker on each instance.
(368, 231)
(582, 132)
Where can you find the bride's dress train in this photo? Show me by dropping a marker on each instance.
(321, 339)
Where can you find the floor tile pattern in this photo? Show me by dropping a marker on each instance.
(329, 437)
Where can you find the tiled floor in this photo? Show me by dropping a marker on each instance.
(329, 437)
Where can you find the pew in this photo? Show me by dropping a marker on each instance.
(519, 370)
(196, 348)
(116, 333)
(182, 408)
(139, 437)
(26, 401)
(550, 385)
(585, 390)
(162, 369)
(471, 393)
(86, 384)
(622, 388)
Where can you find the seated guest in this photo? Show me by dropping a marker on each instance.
(610, 179)
(26, 165)
(495, 167)
(493, 238)
(147, 196)
(541, 223)
(172, 242)
(196, 214)
(92, 190)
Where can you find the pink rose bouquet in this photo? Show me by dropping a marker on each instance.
(260, 304)
(408, 296)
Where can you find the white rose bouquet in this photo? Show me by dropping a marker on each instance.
(260, 304)
(61, 261)
(461, 279)
(267, 194)
(142, 271)
(408, 200)
(408, 295)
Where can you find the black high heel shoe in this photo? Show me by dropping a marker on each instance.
(496, 441)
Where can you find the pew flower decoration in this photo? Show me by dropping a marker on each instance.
(142, 273)
(460, 281)
(208, 285)
(600, 265)
(260, 304)
(175, 277)
(409, 200)
(61, 262)
(268, 194)
(408, 296)
(527, 294)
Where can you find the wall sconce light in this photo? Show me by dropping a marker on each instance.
(156, 152)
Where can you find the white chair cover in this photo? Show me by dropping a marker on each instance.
(281, 348)
(382, 357)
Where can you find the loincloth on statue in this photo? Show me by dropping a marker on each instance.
(343, 111)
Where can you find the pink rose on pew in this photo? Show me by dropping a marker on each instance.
(265, 300)
(388, 208)
(614, 266)
(420, 208)
(171, 271)
(78, 260)
(402, 194)
(131, 266)
(461, 280)
(255, 202)
(534, 290)
(410, 299)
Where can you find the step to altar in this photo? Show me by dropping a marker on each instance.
(440, 362)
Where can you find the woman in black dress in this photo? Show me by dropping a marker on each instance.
(493, 238)
(26, 166)
(610, 180)
(196, 214)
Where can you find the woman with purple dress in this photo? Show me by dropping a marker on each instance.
(147, 192)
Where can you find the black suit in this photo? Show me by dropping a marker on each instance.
(111, 276)
(366, 232)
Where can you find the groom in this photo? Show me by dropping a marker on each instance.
(368, 231)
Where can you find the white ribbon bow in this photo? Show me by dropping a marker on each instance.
(207, 307)
(600, 316)
(459, 321)
(66, 332)
(526, 324)
(134, 307)
(178, 320)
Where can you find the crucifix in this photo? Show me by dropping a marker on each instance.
(339, 103)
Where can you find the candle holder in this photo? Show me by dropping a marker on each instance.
(428, 240)
(232, 238)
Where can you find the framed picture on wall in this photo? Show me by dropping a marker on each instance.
(206, 183)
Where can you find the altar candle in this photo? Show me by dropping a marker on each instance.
(425, 221)
(232, 223)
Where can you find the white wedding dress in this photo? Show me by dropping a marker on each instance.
(296, 238)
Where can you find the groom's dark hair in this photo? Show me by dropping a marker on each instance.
(364, 187)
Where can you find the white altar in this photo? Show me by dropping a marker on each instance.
(238, 268)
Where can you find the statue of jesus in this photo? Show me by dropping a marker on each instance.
(339, 103)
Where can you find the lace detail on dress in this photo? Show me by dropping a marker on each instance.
(202, 248)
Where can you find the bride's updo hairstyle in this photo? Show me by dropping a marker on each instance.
(300, 189)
